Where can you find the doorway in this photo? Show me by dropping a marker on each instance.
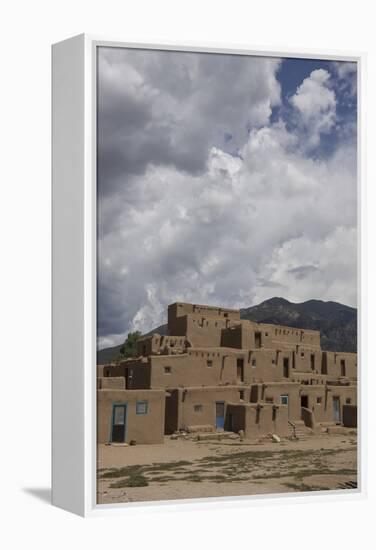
(118, 429)
(257, 339)
(285, 367)
(240, 370)
(336, 410)
(219, 415)
(304, 401)
(312, 361)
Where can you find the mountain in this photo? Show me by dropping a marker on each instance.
(336, 322)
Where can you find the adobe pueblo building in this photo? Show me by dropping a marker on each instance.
(216, 372)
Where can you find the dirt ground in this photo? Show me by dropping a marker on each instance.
(196, 469)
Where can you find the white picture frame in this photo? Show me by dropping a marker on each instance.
(74, 275)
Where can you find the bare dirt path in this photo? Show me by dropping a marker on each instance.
(191, 469)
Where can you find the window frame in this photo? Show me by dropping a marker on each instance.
(142, 402)
(281, 398)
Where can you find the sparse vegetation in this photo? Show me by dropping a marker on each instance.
(254, 467)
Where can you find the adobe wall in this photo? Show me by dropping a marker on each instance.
(257, 420)
(100, 370)
(334, 365)
(179, 309)
(111, 383)
(135, 373)
(197, 367)
(204, 397)
(282, 335)
(251, 335)
(205, 332)
(143, 428)
(273, 391)
(157, 344)
(319, 399)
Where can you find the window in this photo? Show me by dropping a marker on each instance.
(348, 401)
(319, 400)
(343, 367)
(284, 399)
(253, 362)
(167, 370)
(142, 407)
(302, 354)
(241, 394)
(197, 408)
(269, 400)
(273, 361)
(209, 363)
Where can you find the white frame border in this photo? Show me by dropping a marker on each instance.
(87, 505)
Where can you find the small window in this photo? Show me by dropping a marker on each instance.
(253, 362)
(319, 400)
(142, 407)
(284, 399)
(348, 401)
(302, 354)
(273, 361)
(269, 400)
(167, 370)
(209, 363)
(197, 408)
(241, 394)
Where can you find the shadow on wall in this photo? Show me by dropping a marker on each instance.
(41, 493)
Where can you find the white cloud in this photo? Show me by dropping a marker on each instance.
(315, 103)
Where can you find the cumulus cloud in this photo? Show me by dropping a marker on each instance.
(315, 103)
(229, 209)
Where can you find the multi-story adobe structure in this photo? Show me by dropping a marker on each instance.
(215, 371)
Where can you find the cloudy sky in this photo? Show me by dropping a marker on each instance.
(222, 180)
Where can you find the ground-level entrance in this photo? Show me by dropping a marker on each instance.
(118, 428)
(219, 415)
(336, 410)
(304, 401)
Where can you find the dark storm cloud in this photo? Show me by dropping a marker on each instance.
(170, 108)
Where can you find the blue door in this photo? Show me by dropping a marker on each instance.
(336, 410)
(219, 415)
(118, 428)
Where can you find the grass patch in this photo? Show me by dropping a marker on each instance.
(132, 481)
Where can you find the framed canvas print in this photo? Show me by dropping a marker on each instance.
(206, 275)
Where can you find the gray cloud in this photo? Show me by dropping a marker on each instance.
(169, 108)
(303, 271)
(180, 217)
